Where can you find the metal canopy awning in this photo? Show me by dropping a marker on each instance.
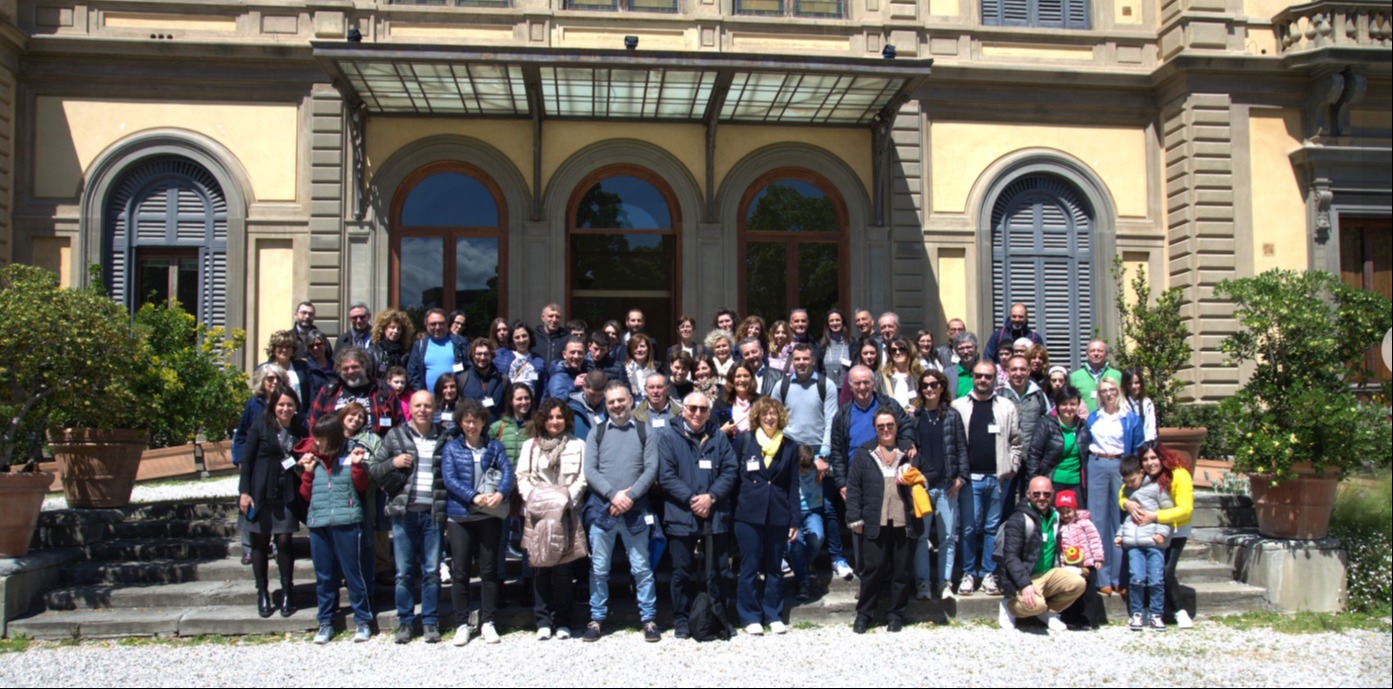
(618, 85)
(390, 79)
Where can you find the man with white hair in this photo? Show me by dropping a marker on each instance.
(1094, 370)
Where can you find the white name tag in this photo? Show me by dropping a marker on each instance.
(488, 402)
(993, 429)
(384, 422)
(752, 465)
(599, 419)
(846, 363)
(704, 464)
(659, 423)
(1093, 394)
(458, 368)
(649, 520)
(288, 463)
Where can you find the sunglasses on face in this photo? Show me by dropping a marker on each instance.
(698, 408)
(931, 385)
(1042, 494)
(983, 376)
(885, 427)
(897, 350)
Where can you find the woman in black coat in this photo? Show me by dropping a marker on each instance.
(1049, 455)
(268, 489)
(942, 443)
(884, 524)
(767, 514)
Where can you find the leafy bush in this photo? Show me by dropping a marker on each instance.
(1300, 330)
(1363, 519)
(201, 387)
(68, 359)
(1217, 445)
(1153, 339)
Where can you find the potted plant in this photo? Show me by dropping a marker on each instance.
(76, 371)
(1154, 340)
(200, 394)
(1296, 427)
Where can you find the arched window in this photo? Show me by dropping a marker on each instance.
(448, 247)
(623, 226)
(1042, 256)
(166, 234)
(793, 235)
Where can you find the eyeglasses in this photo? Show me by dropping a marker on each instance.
(1041, 494)
(931, 385)
(984, 376)
(435, 324)
(698, 408)
(885, 427)
(897, 350)
(357, 318)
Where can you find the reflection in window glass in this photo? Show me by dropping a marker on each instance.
(623, 203)
(161, 277)
(622, 261)
(818, 280)
(766, 277)
(422, 272)
(791, 205)
(476, 278)
(449, 199)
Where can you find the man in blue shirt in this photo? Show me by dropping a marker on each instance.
(437, 354)
(567, 374)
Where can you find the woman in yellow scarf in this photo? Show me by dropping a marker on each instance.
(767, 515)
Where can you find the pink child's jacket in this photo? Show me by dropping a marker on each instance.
(1083, 534)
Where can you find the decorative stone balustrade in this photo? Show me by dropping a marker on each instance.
(1349, 24)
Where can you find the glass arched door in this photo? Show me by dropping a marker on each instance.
(623, 232)
(793, 240)
(448, 244)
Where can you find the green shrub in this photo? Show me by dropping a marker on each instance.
(1363, 519)
(1218, 445)
(201, 387)
(1153, 339)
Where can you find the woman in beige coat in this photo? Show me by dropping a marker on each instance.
(553, 456)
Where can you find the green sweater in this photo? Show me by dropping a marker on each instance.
(1088, 385)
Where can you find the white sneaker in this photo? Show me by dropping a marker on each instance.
(544, 633)
(1054, 622)
(947, 592)
(842, 570)
(490, 634)
(1183, 621)
(786, 568)
(563, 633)
(989, 586)
(1004, 618)
(324, 634)
(923, 591)
(362, 633)
(461, 635)
(965, 588)
(444, 575)
(778, 627)
(754, 629)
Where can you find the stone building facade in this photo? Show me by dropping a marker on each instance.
(745, 153)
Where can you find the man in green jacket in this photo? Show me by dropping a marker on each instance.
(1088, 376)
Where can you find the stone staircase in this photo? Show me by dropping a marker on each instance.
(174, 570)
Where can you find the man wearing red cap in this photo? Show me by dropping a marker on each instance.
(1032, 581)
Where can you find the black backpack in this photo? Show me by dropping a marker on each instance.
(707, 621)
(788, 380)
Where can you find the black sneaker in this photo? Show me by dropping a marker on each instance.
(593, 632)
(651, 633)
(680, 630)
(403, 634)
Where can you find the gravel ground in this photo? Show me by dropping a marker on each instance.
(225, 487)
(974, 655)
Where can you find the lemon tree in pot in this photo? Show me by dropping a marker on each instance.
(1296, 426)
(1155, 341)
(73, 369)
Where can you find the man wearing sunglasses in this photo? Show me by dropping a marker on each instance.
(359, 331)
(697, 470)
(993, 430)
(1033, 583)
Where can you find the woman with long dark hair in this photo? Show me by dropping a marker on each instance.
(1168, 470)
(553, 456)
(267, 487)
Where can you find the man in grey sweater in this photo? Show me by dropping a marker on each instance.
(811, 405)
(621, 464)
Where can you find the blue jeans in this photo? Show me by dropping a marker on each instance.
(338, 552)
(761, 550)
(636, 546)
(416, 540)
(805, 547)
(1104, 483)
(1147, 591)
(981, 510)
(832, 526)
(945, 525)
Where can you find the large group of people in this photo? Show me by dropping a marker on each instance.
(739, 455)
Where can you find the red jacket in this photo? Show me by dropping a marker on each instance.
(384, 411)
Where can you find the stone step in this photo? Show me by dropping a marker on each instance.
(160, 511)
(145, 572)
(94, 533)
(1222, 510)
(188, 594)
(1194, 571)
(835, 607)
(153, 549)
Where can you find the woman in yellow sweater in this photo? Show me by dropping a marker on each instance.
(1168, 470)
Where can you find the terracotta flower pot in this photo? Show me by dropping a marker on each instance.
(98, 467)
(1184, 442)
(21, 496)
(1297, 508)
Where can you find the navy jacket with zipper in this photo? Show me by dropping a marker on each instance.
(680, 473)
